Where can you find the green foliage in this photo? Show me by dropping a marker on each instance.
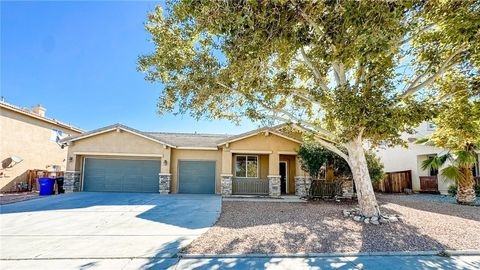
(336, 68)
(375, 167)
(452, 190)
(313, 157)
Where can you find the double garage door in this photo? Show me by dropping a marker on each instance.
(119, 175)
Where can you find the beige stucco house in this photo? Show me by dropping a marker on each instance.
(410, 158)
(29, 140)
(122, 159)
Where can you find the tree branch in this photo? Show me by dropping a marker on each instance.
(413, 88)
(314, 70)
(339, 70)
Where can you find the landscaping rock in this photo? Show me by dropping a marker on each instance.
(366, 220)
(357, 218)
(375, 222)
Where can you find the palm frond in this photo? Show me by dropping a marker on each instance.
(435, 162)
(452, 172)
(465, 158)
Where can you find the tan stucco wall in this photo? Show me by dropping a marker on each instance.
(28, 138)
(116, 142)
(260, 142)
(182, 154)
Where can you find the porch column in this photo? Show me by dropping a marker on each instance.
(274, 174)
(71, 181)
(302, 179)
(226, 182)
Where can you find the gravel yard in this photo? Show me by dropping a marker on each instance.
(261, 227)
(6, 198)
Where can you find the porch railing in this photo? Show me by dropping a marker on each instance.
(325, 189)
(428, 184)
(249, 186)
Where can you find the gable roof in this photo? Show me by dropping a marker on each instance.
(111, 128)
(28, 113)
(184, 140)
(190, 140)
(274, 130)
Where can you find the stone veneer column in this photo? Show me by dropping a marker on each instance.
(302, 185)
(164, 182)
(347, 188)
(274, 185)
(71, 181)
(226, 184)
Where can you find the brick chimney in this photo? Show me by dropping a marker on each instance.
(39, 110)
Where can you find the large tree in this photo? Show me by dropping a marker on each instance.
(458, 130)
(349, 72)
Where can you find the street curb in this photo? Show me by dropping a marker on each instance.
(333, 254)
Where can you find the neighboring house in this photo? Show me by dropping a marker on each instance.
(121, 159)
(29, 140)
(400, 159)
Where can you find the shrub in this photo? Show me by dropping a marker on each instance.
(452, 190)
(313, 157)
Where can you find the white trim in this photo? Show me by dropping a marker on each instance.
(276, 176)
(226, 174)
(116, 154)
(82, 173)
(197, 148)
(261, 131)
(164, 173)
(286, 176)
(246, 170)
(118, 128)
(250, 152)
(287, 153)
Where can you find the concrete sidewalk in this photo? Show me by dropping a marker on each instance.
(468, 262)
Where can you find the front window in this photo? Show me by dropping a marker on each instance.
(246, 166)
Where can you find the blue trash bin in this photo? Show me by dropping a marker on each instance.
(46, 186)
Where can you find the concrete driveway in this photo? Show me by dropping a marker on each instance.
(91, 225)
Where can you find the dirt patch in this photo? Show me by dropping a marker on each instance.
(6, 198)
(257, 227)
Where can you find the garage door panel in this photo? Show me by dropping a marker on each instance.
(196, 177)
(118, 175)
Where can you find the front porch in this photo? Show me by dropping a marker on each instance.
(260, 173)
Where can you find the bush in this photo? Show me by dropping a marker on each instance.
(452, 190)
(313, 157)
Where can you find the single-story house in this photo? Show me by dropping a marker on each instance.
(29, 140)
(399, 158)
(118, 158)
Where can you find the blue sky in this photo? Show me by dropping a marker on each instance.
(78, 59)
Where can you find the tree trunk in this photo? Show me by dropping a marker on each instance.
(466, 183)
(361, 177)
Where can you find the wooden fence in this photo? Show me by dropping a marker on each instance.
(395, 182)
(33, 175)
(250, 186)
(325, 189)
(429, 184)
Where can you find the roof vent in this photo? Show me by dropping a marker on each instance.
(39, 110)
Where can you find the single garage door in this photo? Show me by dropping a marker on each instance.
(196, 176)
(119, 175)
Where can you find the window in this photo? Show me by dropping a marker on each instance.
(246, 166)
(55, 135)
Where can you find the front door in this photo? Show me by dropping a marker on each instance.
(283, 177)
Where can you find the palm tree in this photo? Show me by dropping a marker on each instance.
(459, 168)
